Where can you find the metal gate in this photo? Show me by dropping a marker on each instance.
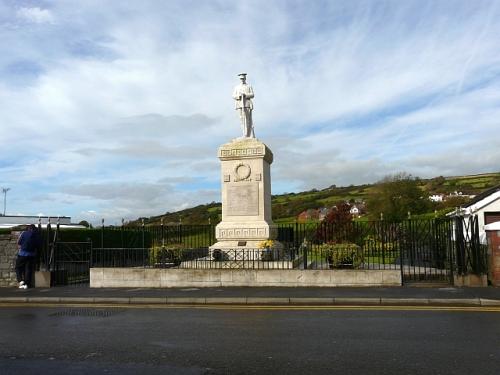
(71, 263)
(434, 251)
(427, 251)
(471, 255)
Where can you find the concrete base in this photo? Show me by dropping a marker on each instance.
(42, 279)
(199, 278)
(470, 280)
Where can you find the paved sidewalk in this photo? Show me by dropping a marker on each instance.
(414, 296)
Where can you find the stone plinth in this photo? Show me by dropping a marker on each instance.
(246, 195)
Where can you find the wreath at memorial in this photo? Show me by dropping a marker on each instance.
(242, 172)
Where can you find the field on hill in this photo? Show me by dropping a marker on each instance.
(286, 207)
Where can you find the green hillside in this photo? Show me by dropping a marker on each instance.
(286, 207)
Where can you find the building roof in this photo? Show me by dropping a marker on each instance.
(478, 198)
(53, 225)
(478, 202)
(26, 219)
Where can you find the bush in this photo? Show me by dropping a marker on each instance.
(343, 255)
(173, 255)
(375, 247)
(166, 256)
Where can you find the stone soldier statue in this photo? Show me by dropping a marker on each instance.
(243, 95)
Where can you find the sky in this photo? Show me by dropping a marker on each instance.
(116, 109)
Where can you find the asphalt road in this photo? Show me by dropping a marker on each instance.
(230, 340)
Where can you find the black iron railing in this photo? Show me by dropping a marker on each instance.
(306, 256)
(423, 250)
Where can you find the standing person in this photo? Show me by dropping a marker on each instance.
(28, 242)
(243, 94)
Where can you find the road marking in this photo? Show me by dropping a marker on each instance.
(257, 307)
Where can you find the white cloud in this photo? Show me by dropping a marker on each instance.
(35, 15)
(118, 96)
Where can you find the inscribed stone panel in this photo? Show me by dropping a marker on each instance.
(243, 199)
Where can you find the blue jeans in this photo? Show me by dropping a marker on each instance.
(25, 266)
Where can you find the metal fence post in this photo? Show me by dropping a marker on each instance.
(383, 242)
(305, 249)
(43, 256)
(50, 248)
(449, 249)
(401, 260)
(102, 234)
(212, 233)
(143, 243)
(58, 225)
(295, 235)
(460, 245)
(123, 222)
(478, 264)
(162, 234)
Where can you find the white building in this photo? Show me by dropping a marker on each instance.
(354, 211)
(487, 208)
(13, 221)
(436, 198)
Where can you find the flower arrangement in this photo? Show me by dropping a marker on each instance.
(267, 244)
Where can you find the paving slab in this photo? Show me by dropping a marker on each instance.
(186, 300)
(268, 300)
(311, 301)
(226, 300)
(464, 296)
(118, 300)
(404, 301)
(489, 302)
(148, 300)
(455, 301)
(356, 301)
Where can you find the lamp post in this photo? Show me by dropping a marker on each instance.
(4, 191)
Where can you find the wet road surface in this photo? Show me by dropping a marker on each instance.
(121, 340)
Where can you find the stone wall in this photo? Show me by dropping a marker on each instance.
(8, 251)
(189, 278)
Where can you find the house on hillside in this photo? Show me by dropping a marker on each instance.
(357, 209)
(310, 214)
(459, 194)
(436, 197)
(487, 208)
(322, 212)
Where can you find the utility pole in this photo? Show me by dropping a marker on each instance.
(4, 191)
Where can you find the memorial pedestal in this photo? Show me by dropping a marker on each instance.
(246, 197)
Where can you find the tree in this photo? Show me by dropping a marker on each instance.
(395, 196)
(340, 214)
(336, 226)
(85, 223)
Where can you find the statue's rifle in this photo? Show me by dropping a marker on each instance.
(243, 112)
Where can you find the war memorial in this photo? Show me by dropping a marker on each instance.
(246, 190)
(246, 251)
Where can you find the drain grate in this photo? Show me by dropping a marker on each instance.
(90, 313)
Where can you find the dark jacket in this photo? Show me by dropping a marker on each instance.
(29, 242)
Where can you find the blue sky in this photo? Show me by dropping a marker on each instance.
(113, 109)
